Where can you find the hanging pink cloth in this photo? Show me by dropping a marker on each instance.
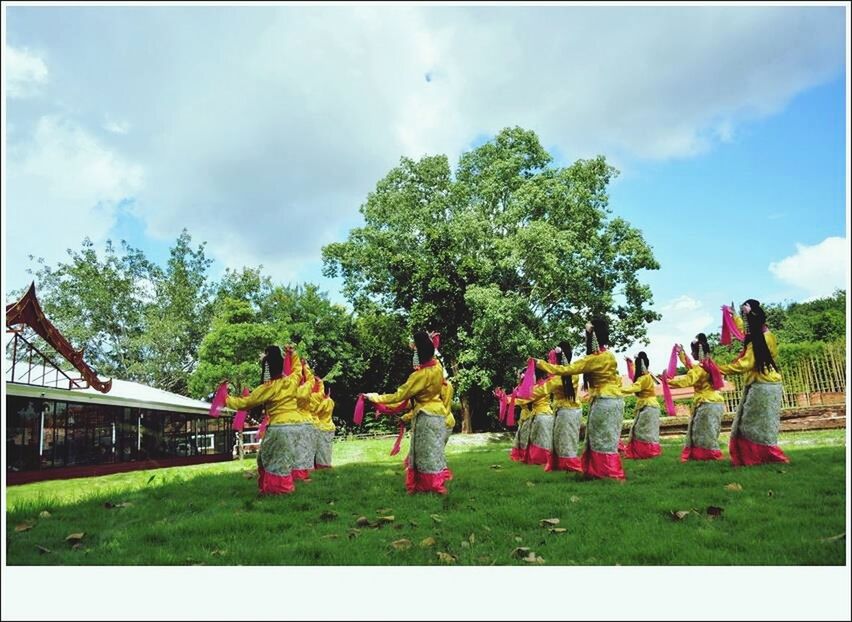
(240, 418)
(398, 442)
(671, 370)
(288, 362)
(261, 431)
(358, 415)
(219, 400)
(729, 327)
(667, 395)
(510, 412)
(711, 368)
(524, 391)
(436, 340)
(552, 357)
(631, 370)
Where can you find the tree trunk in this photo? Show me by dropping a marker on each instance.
(467, 426)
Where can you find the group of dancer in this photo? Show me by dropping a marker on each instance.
(299, 434)
(553, 440)
(297, 428)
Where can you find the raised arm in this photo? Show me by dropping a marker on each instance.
(742, 365)
(577, 367)
(416, 382)
(688, 380)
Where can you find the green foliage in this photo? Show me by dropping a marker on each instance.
(504, 257)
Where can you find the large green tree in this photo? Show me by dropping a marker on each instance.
(503, 256)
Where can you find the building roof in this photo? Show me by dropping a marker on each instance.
(28, 311)
(122, 393)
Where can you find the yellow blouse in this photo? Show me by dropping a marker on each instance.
(602, 368)
(646, 392)
(447, 392)
(316, 402)
(746, 363)
(423, 387)
(278, 397)
(539, 403)
(557, 390)
(324, 421)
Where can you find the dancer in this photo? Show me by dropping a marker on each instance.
(306, 456)
(323, 409)
(705, 422)
(644, 437)
(290, 432)
(539, 449)
(606, 411)
(427, 465)
(566, 426)
(754, 433)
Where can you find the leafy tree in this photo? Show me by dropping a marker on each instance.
(178, 318)
(100, 303)
(504, 257)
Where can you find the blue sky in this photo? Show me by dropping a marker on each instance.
(261, 134)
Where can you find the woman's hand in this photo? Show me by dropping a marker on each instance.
(371, 396)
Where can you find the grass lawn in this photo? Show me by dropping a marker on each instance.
(211, 514)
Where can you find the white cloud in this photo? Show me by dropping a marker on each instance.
(262, 134)
(116, 127)
(818, 270)
(62, 185)
(25, 72)
(682, 318)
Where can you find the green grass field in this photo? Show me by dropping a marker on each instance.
(790, 514)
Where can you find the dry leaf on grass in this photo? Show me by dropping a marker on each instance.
(679, 514)
(401, 545)
(734, 487)
(557, 530)
(384, 511)
(77, 546)
(714, 511)
(840, 536)
(532, 558)
(471, 538)
(25, 526)
(446, 557)
(328, 515)
(44, 514)
(770, 493)
(518, 539)
(548, 522)
(385, 519)
(530, 484)
(519, 552)
(496, 466)
(425, 543)
(42, 549)
(436, 518)
(330, 536)
(362, 521)
(574, 499)
(354, 533)
(218, 552)
(75, 537)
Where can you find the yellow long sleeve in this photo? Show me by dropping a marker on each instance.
(702, 385)
(602, 368)
(278, 397)
(645, 390)
(447, 391)
(423, 387)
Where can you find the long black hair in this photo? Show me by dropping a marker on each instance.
(272, 364)
(700, 339)
(424, 345)
(756, 319)
(600, 329)
(646, 367)
(567, 381)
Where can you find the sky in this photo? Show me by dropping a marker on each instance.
(261, 130)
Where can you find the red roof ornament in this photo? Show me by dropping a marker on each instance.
(28, 311)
